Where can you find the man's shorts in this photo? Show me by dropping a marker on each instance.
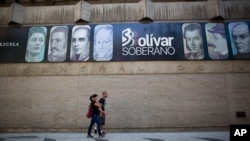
(103, 120)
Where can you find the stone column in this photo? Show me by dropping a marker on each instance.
(215, 9)
(82, 12)
(147, 11)
(17, 13)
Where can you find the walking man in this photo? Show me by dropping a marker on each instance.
(102, 101)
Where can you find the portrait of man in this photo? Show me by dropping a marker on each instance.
(193, 42)
(240, 40)
(80, 43)
(103, 43)
(36, 44)
(216, 40)
(58, 44)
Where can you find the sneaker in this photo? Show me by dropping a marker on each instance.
(101, 136)
(89, 136)
(103, 133)
(95, 131)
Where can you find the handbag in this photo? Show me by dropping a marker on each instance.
(90, 111)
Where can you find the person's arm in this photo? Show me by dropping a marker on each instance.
(99, 107)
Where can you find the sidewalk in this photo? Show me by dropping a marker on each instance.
(169, 136)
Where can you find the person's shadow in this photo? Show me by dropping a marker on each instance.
(101, 140)
(154, 139)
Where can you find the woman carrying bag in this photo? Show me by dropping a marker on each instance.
(96, 106)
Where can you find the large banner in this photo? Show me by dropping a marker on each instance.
(125, 42)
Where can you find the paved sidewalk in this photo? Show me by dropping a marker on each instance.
(169, 136)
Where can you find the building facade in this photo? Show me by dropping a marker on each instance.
(151, 95)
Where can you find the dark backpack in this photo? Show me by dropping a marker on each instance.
(90, 111)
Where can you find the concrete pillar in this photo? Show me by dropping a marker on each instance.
(215, 9)
(17, 13)
(147, 13)
(82, 12)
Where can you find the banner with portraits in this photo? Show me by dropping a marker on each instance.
(125, 42)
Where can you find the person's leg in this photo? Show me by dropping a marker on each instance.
(98, 122)
(102, 118)
(91, 125)
(95, 130)
(103, 124)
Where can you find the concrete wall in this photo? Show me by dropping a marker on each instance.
(157, 95)
(142, 95)
(126, 12)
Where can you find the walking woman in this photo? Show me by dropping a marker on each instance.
(96, 106)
